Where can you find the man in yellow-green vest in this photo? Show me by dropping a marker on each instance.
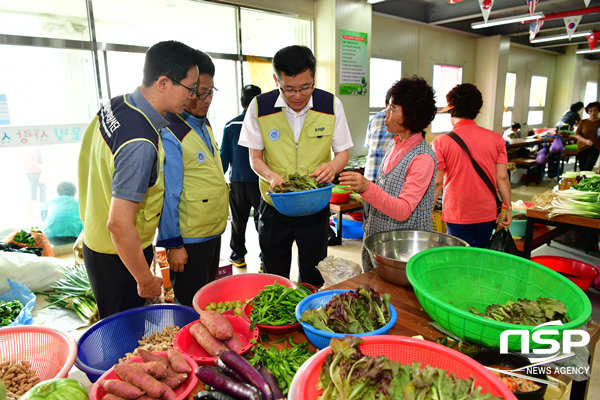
(294, 129)
(121, 181)
(196, 202)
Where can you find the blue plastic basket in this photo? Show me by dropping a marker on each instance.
(321, 338)
(109, 339)
(350, 229)
(299, 204)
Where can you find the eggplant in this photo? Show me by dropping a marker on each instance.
(268, 376)
(212, 395)
(220, 364)
(239, 364)
(214, 377)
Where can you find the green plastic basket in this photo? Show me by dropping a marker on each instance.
(448, 281)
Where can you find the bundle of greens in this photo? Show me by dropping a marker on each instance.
(588, 185)
(74, 292)
(298, 183)
(9, 311)
(526, 312)
(25, 237)
(284, 363)
(573, 202)
(276, 305)
(355, 311)
(348, 374)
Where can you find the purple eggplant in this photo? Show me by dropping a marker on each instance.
(217, 379)
(268, 376)
(239, 364)
(221, 364)
(212, 395)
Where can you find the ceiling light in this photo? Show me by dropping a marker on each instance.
(504, 21)
(374, 1)
(587, 51)
(559, 37)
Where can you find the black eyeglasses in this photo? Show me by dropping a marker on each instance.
(193, 91)
(210, 93)
(291, 92)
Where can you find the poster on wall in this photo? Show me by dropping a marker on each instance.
(38, 135)
(4, 115)
(354, 61)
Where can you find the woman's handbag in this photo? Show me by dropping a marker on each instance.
(478, 169)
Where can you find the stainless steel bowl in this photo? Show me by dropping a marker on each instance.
(390, 251)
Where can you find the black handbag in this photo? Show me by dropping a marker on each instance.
(478, 169)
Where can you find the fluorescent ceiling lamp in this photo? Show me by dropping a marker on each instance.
(374, 1)
(587, 51)
(560, 37)
(509, 20)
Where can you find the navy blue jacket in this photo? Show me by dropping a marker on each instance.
(234, 154)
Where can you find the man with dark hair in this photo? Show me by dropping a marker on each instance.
(245, 193)
(196, 206)
(294, 129)
(121, 180)
(376, 141)
(570, 118)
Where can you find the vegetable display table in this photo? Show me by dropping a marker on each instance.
(339, 209)
(563, 222)
(412, 319)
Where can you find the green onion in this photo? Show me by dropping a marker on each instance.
(74, 292)
(574, 202)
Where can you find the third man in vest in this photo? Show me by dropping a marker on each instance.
(293, 129)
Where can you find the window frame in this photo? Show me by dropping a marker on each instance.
(438, 96)
(375, 110)
(510, 108)
(531, 108)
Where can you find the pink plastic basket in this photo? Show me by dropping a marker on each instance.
(406, 350)
(51, 352)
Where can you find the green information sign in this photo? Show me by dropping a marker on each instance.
(354, 59)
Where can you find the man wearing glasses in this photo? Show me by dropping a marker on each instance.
(121, 181)
(294, 129)
(196, 206)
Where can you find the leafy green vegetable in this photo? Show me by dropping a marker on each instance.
(340, 190)
(276, 305)
(588, 185)
(526, 312)
(9, 311)
(298, 183)
(355, 311)
(465, 348)
(574, 202)
(24, 238)
(283, 363)
(348, 374)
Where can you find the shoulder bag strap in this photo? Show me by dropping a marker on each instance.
(478, 168)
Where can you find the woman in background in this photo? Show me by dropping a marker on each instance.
(402, 196)
(60, 217)
(588, 143)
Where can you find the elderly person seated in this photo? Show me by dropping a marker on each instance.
(402, 195)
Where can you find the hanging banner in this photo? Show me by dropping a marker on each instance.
(531, 4)
(486, 8)
(592, 39)
(37, 135)
(354, 60)
(571, 23)
(587, 3)
(534, 28)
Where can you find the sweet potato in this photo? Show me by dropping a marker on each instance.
(121, 388)
(208, 342)
(132, 374)
(145, 397)
(110, 396)
(234, 343)
(178, 362)
(217, 325)
(169, 393)
(147, 357)
(153, 368)
(173, 383)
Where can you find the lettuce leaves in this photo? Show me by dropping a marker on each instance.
(356, 311)
(347, 374)
(526, 312)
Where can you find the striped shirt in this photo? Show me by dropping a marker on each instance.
(376, 141)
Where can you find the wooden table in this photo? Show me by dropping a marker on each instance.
(531, 141)
(339, 209)
(564, 222)
(412, 319)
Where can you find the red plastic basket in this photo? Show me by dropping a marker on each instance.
(185, 343)
(578, 272)
(406, 350)
(277, 329)
(51, 352)
(236, 287)
(182, 391)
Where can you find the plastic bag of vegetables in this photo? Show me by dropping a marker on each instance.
(57, 389)
(25, 296)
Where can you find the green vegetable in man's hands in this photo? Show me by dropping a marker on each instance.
(526, 312)
(298, 183)
(24, 238)
(9, 311)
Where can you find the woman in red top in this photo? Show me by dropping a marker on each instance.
(469, 206)
(401, 197)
